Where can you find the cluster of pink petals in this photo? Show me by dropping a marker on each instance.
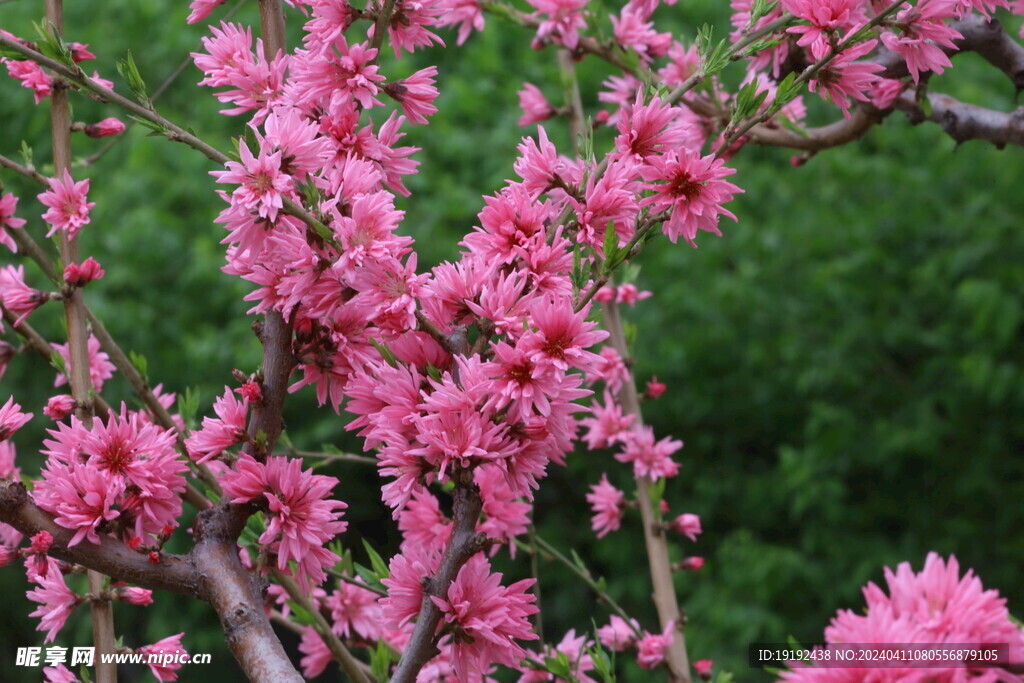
(164, 671)
(15, 295)
(31, 76)
(652, 647)
(11, 419)
(618, 634)
(608, 504)
(935, 605)
(100, 367)
(574, 648)
(56, 600)
(650, 458)
(923, 35)
(80, 274)
(301, 518)
(124, 469)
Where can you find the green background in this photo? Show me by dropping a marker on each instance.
(844, 364)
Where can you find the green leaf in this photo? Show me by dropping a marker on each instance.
(380, 661)
(140, 363)
(559, 666)
(130, 73)
(57, 361)
(387, 354)
(380, 568)
(52, 45)
(26, 153)
(188, 406)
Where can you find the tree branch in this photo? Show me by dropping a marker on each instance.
(463, 543)
(112, 557)
(962, 121)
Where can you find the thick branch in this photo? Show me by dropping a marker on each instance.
(236, 597)
(962, 121)
(112, 557)
(990, 40)
(834, 134)
(463, 543)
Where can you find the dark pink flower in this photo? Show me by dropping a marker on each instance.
(608, 504)
(78, 275)
(32, 77)
(105, 128)
(535, 106)
(100, 367)
(11, 419)
(56, 600)
(688, 524)
(650, 459)
(164, 665)
(8, 204)
(651, 648)
(16, 296)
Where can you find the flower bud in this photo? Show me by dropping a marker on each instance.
(688, 524)
(78, 275)
(105, 128)
(690, 564)
(703, 668)
(135, 595)
(59, 407)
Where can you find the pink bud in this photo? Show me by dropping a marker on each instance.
(629, 294)
(41, 542)
(663, 506)
(691, 564)
(59, 407)
(605, 294)
(105, 128)
(251, 391)
(703, 668)
(79, 275)
(688, 525)
(135, 595)
(80, 52)
(654, 388)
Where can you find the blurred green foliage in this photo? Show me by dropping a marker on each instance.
(844, 364)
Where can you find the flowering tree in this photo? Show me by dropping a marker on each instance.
(466, 383)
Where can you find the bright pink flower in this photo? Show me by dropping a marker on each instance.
(654, 388)
(538, 164)
(561, 21)
(405, 588)
(535, 106)
(845, 77)
(222, 432)
(693, 188)
(650, 459)
(923, 34)
(562, 336)
(826, 17)
(608, 504)
(633, 30)
(59, 674)
(316, 654)
(56, 600)
(422, 524)
(100, 367)
(355, 612)
(690, 564)
(619, 635)
(8, 204)
(165, 669)
(466, 13)
(629, 294)
(488, 617)
(80, 52)
(16, 296)
(688, 524)
(651, 648)
(703, 668)
(611, 370)
(262, 185)
(39, 546)
(134, 595)
(332, 76)
(504, 516)
(416, 94)
(11, 419)
(407, 29)
(82, 498)
(201, 9)
(301, 518)
(607, 425)
(32, 77)
(936, 605)
(60, 406)
(78, 275)
(105, 128)
(69, 210)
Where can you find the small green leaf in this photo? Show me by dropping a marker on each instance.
(140, 363)
(380, 568)
(387, 354)
(57, 361)
(380, 661)
(188, 406)
(559, 666)
(130, 73)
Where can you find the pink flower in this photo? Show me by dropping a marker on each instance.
(262, 185)
(619, 634)
(693, 188)
(58, 407)
(301, 518)
(80, 52)
(608, 424)
(535, 106)
(629, 294)
(633, 30)
(201, 9)
(649, 459)
(923, 35)
(416, 94)
(100, 367)
(32, 77)
(222, 432)
(59, 674)
(562, 20)
(651, 648)
(826, 17)
(608, 504)
(105, 128)
(11, 419)
(316, 654)
(16, 296)
(355, 612)
(405, 588)
(844, 77)
(488, 617)
(654, 388)
(164, 665)
(79, 275)
(82, 498)
(134, 595)
(56, 601)
(8, 204)
(690, 564)
(703, 668)
(688, 524)
(936, 605)
(69, 210)
(466, 13)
